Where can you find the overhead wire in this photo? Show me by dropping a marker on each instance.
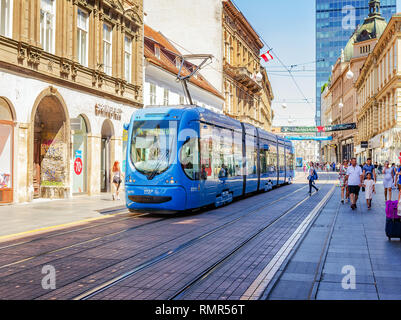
(270, 49)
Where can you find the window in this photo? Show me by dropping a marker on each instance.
(152, 94)
(251, 154)
(82, 37)
(128, 58)
(165, 97)
(238, 153)
(190, 159)
(206, 146)
(47, 23)
(107, 53)
(153, 146)
(6, 17)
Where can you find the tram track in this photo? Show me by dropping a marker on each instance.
(169, 253)
(106, 235)
(198, 279)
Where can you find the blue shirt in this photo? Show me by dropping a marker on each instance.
(370, 169)
(399, 178)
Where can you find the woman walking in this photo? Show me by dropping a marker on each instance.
(341, 178)
(116, 174)
(388, 179)
(312, 176)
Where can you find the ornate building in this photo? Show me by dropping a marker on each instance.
(343, 79)
(379, 98)
(70, 76)
(247, 88)
(217, 27)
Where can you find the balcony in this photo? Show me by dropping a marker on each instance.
(243, 76)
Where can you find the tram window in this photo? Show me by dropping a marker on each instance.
(238, 153)
(190, 158)
(227, 152)
(272, 158)
(153, 145)
(251, 154)
(206, 146)
(264, 154)
(217, 160)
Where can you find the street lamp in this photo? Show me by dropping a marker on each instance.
(340, 105)
(349, 74)
(284, 105)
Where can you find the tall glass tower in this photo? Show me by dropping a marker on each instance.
(336, 21)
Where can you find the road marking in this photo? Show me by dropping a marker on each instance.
(262, 281)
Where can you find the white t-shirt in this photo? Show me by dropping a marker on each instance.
(354, 175)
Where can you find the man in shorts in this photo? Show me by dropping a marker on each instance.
(354, 178)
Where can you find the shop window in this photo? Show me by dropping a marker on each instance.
(47, 24)
(6, 153)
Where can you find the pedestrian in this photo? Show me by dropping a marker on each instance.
(398, 178)
(312, 176)
(380, 168)
(116, 174)
(369, 167)
(341, 178)
(354, 178)
(394, 168)
(387, 180)
(369, 185)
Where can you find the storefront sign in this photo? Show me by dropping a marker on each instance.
(364, 144)
(336, 127)
(108, 112)
(78, 166)
(310, 138)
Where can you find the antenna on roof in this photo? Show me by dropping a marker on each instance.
(185, 78)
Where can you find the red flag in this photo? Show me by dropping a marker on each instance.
(321, 129)
(265, 57)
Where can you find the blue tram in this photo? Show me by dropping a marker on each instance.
(186, 157)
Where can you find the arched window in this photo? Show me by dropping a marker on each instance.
(6, 152)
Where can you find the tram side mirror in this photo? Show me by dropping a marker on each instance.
(126, 126)
(187, 138)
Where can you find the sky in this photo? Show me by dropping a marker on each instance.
(288, 26)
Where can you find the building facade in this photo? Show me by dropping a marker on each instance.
(217, 27)
(336, 21)
(70, 76)
(379, 98)
(328, 148)
(343, 79)
(162, 64)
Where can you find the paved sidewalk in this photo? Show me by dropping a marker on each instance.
(44, 213)
(342, 237)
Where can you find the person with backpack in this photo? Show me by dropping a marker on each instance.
(354, 178)
(312, 177)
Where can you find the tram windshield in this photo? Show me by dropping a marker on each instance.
(153, 146)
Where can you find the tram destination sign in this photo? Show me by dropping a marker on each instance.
(330, 128)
